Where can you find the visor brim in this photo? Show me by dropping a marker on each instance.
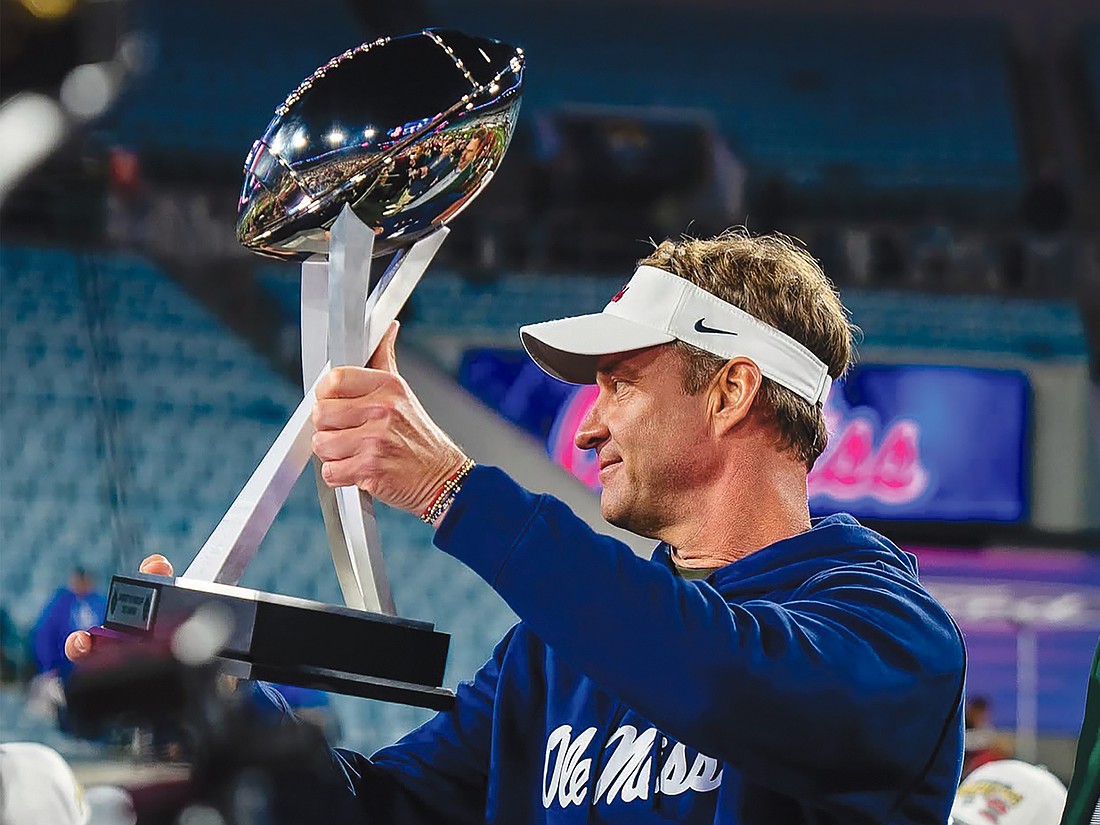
(568, 349)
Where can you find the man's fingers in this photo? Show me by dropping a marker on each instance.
(156, 565)
(346, 413)
(78, 644)
(344, 472)
(353, 382)
(333, 445)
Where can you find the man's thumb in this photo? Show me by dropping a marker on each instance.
(385, 357)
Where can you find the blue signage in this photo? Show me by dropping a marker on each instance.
(925, 442)
(906, 442)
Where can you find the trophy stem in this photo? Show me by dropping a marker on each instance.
(356, 324)
(339, 321)
(348, 512)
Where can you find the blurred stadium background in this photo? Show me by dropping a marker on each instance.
(941, 157)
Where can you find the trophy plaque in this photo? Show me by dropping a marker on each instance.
(370, 156)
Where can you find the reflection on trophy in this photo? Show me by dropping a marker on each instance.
(370, 156)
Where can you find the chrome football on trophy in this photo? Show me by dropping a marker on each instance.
(370, 156)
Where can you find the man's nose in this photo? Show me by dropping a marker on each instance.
(592, 431)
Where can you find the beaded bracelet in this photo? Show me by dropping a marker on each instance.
(447, 493)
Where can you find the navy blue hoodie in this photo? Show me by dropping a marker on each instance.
(813, 682)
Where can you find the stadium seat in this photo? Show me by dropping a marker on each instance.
(904, 105)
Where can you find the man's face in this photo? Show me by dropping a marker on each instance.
(653, 440)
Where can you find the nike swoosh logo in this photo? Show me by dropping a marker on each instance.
(701, 327)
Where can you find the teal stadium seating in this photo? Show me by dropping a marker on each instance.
(887, 104)
(896, 105)
(959, 325)
(111, 372)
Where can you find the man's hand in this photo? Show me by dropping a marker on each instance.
(79, 643)
(373, 433)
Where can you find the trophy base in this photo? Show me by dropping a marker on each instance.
(294, 641)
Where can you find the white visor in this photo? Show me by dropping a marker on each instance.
(657, 307)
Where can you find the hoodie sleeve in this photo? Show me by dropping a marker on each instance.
(437, 773)
(851, 683)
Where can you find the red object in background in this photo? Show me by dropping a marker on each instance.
(976, 759)
(124, 172)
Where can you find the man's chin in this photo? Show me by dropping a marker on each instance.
(625, 519)
(612, 513)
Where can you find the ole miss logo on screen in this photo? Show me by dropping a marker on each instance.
(866, 460)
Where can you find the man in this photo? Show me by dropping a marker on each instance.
(76, 607)
(980, 744)
(759, 669)
(73, 608)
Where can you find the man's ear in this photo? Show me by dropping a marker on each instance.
(732, 392)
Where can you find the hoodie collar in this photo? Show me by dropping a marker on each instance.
(828, 537)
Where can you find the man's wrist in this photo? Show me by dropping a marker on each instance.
(445, 496)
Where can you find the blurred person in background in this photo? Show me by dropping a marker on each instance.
(760, 668)
(980, 741)
(75, 607)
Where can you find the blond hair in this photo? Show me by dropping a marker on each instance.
(775, 279)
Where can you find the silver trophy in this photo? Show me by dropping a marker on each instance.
(370, 156)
